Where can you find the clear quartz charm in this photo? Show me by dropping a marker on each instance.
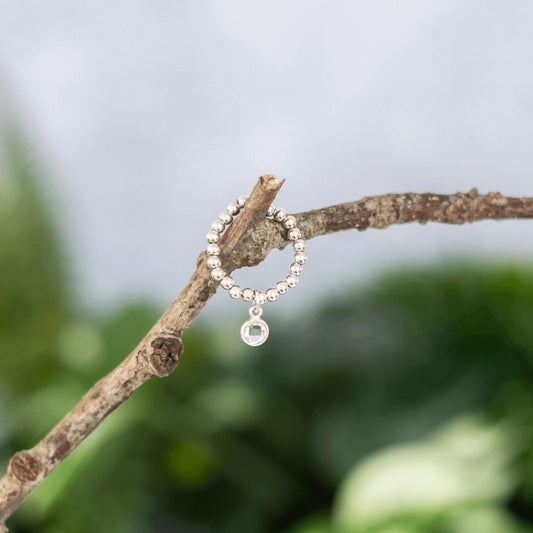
(254, 332)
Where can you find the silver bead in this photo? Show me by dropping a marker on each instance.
(300, 258)
(233, 208)
(235, 292)
(217, 225)
(213, 249)
(227, 282)
(299, 245)
(280, 215)
(212, 236)
(270, 211)
(294, 234)
(248, 295)
(217, 274)
(260, 298)
(292, 281)
(282, 287)
(241, 200)
(296, 269)
(272, 295)
(225, 217)
(213, 261)
(289, 222)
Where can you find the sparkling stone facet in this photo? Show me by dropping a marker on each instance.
(254, 332)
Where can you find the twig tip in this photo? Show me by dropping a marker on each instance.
(270, 181)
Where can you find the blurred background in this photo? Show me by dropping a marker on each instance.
(395, 393)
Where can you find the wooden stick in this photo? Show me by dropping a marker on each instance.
(246, 243)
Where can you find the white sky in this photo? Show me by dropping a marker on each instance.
(151, 116)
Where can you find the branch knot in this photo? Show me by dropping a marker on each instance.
(165, 355)
(25, 467)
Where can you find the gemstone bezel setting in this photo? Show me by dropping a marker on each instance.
(249, 339)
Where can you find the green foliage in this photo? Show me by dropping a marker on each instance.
(460, 475)
(33, 292)
(355, 418)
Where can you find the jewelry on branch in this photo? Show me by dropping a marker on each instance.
(255, 330)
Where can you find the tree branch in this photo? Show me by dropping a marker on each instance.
(246, 243)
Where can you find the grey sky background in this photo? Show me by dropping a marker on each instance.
(151, 116)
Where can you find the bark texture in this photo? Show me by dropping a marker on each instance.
(246, 243)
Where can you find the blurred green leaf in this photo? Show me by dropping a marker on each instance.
(467, 463)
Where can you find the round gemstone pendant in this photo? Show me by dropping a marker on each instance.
(254, 332)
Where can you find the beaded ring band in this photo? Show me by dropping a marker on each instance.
(255, 330)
